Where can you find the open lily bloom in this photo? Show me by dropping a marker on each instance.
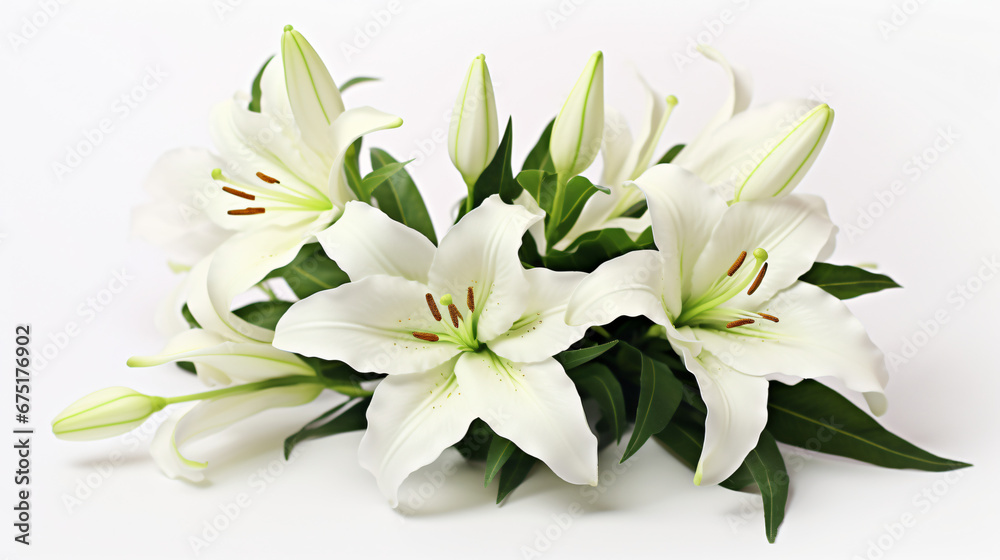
(463, 330)
(723, 283)
(279, 179)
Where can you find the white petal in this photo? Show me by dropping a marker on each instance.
(683, 211)
(537, 230)
(536, 406)
(542, 332)
(793, 230)
(615, 148)
(210, 416)
(657, 113)
(246, 362)
(168, 316)
(350, 126)
(737, 413)
(630, 285)
(740, 93)
(312, 93)
(411, 420)
(368, 324)
(725, 157)
(816, 336)
(480, 252)
(235, 267)
(364, 242)
(274, 93)
(181, 186)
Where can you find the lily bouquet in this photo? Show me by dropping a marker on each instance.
(683, 298)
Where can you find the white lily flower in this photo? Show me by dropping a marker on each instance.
(473, 136)
(733, 326)
(212, 415)
(106, 413)
(463, 332)
(576, 133)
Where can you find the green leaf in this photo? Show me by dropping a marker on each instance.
(811, 415)
(350, 420)
(597, 381)
(539, 157)
(191, 321)
(578, 190)
(595, 247)
(500, 450)
(846, 282)
(671, 154)
(341, 377)
(264, 313)
(379, 176)
(311, 271)
(575, 358)
(474, 445)
(352, 169)
(355, 81)
(659, 395)
(497, 178)
(684, 436)
(769, 472)
(187, 366)
(254, 105)
(541, 185)
(400, 199)
(514, 471)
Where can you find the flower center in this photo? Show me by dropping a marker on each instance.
(270, 191)
(456, 329)
(706, 309)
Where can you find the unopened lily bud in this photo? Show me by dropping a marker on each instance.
(473, 136)
(106, 413)
(576, 134)
(792, 153)
(312, 93)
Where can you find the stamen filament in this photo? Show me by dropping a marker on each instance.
(738, 323)
(240, 194)
(246, 212)
(723, 290)
(433, 307)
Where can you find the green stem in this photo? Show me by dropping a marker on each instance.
(557, 207)
(469, 199)
(251, 387)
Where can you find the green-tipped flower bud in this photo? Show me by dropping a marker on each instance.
(576, 134)
(106, 413)
(312, 93)
(791, 154)
(473, 136)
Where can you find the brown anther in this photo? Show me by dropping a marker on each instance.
(738, 323)
(434, 308)
(736, 265)
(757, 280)
(240, 194)
(267, 178)
(246, 212)
(769, 317)
(455, 315)
(470, 301)
(429, 337)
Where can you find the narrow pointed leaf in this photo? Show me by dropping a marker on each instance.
(355, 81)
(595, 247)
(575, 358)
(597, 381)
(500, 450)
(497, 178)
(352, 168)
(400, 199)
(514, 471)
(311, 271)
(811, 415)
(768, 469)
(846, 282)
(671, 154)
(349, 420)
(254, 105)
(659, 394)
(263, 313)
(577, 192)
(539, 157)
(379, 176)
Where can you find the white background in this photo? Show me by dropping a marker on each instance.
(894, 86)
